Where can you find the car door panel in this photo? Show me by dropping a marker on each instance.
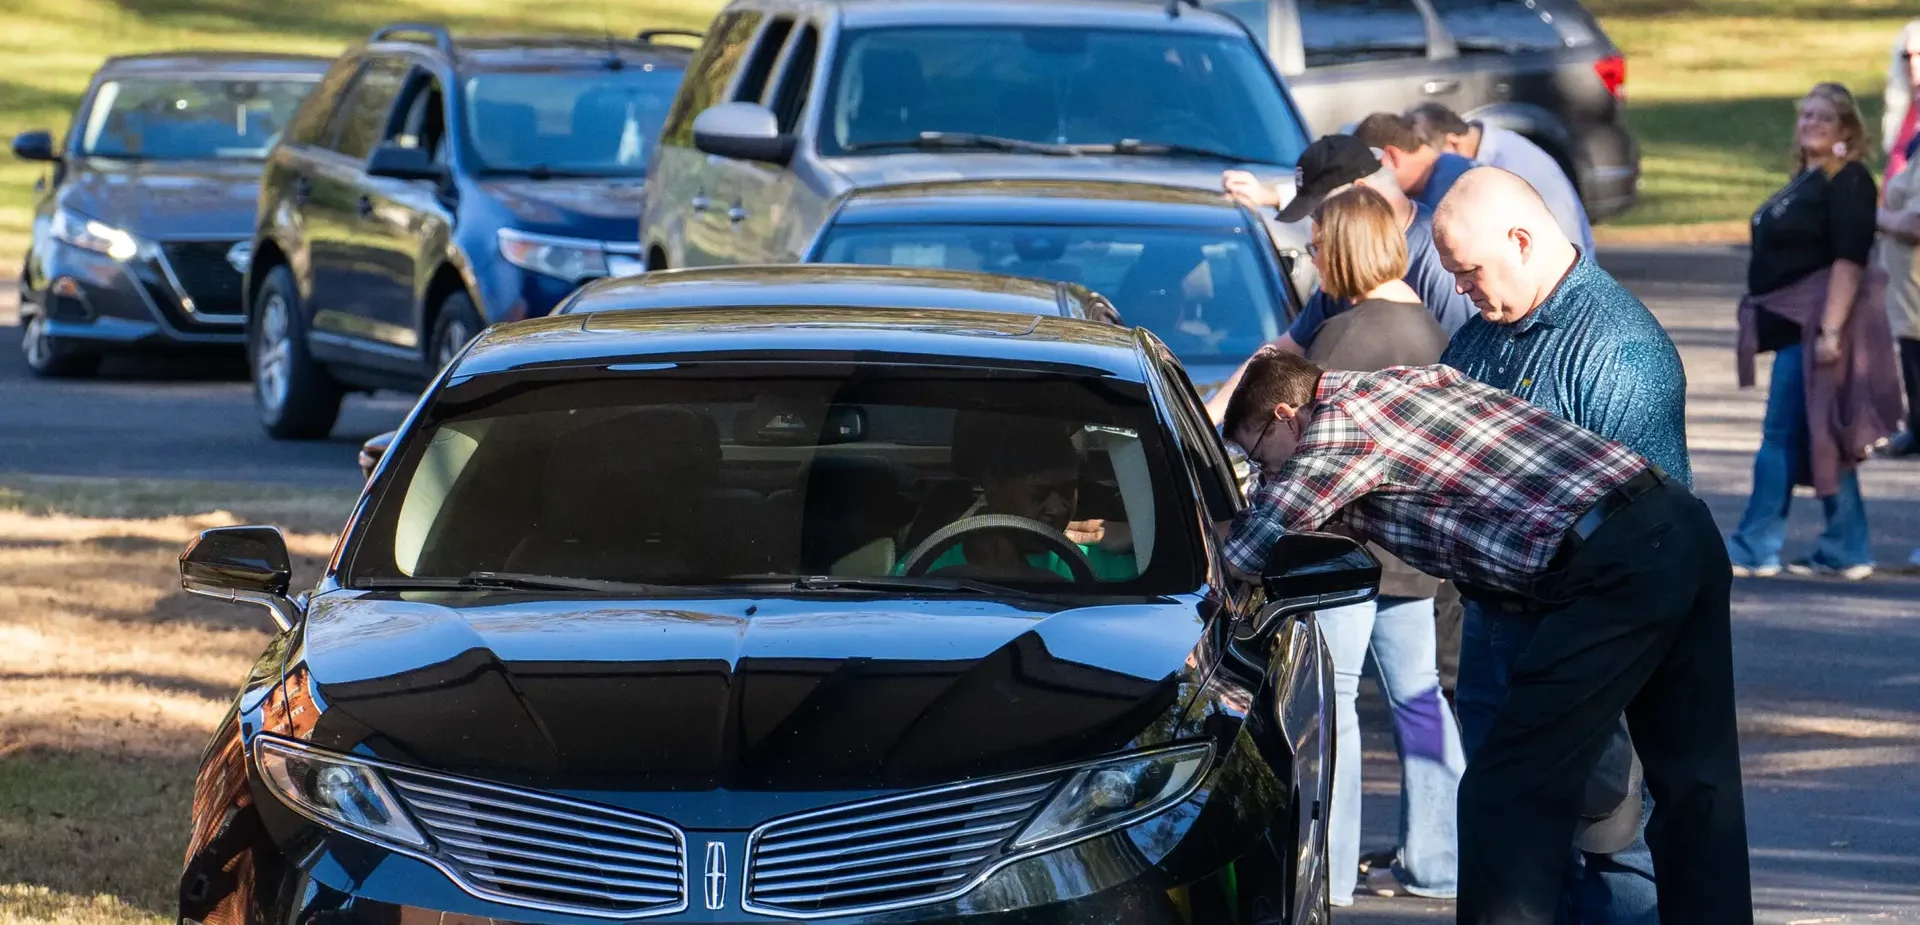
(1347, 58)
(686, 211)
(348, 279)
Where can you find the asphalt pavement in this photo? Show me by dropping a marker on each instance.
(1828, 672)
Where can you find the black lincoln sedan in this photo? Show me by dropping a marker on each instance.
(143, 221)
(758, 615)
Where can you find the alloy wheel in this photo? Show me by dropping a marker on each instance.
(272, 357)
(36, 344)
(456, 335)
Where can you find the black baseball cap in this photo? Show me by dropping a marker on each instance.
(1328, 164)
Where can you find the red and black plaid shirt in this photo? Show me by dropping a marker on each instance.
(1461, 480)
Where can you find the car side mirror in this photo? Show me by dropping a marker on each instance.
(1313, 571)
(375, 449)
(742, 131)
(245, 565)
(401, 163)
(34, 146)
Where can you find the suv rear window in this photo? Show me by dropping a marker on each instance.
(1500, 26)
(1058, 86)
(1347, 31)
(726, 473)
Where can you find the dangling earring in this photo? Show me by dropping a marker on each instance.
(1839, 149)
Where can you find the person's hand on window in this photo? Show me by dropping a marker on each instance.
(1109, 535)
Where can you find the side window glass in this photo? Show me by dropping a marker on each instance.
(1256, 15)
(790, 99)
(363, 121)
(753, 80)
(1499, 26)
(310, 122)
(1348, 31)
(424, 122)
(1221, 490)
(707, 76)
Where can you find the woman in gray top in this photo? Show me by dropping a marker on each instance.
(1362, 255)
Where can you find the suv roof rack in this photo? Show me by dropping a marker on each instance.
(648, 35)
(442, 39)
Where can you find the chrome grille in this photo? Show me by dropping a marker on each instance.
(530, 849)
(899, 851)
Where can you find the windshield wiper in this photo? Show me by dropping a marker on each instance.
(968, 141)
(901, 583)
(516, 581)
(1135, 147)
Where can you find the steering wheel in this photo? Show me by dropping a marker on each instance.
(916, 561)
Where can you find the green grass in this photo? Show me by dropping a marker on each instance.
(300, 509)
(1712, 85)
(91, 839)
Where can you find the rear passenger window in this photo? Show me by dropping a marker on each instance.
(1503, 26)
(706, 80)
(309, 125)
(753, 80)
(1347, 31)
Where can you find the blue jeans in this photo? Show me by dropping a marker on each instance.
(1399, 632)
(1601, 889)
(1781, 460)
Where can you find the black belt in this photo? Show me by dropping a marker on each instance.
(1609, 504)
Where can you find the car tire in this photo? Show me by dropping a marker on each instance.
(296, 398)
(456, 323)
(50, 358)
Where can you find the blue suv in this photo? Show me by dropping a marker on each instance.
(428, 188)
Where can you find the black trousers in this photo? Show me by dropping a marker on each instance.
(1638, 622)
(1910, 371)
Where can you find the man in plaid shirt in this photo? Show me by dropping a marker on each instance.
(1467, 482)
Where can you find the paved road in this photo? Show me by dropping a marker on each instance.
(188, 419)
(1829, 674)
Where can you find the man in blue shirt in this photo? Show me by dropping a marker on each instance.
(1425, 172)
(1555, 329)
(1328, 166)
(1493, 146)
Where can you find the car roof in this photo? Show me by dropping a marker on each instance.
(1102, 14)
(547, 52)
(870, 335)
(1041, 202)
(833, 285)
(236, 63)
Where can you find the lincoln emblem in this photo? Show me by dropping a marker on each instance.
(716, 878)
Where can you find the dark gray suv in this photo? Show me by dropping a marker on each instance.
(1542, 68)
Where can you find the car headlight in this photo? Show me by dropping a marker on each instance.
(571, 259)
(1103, 797)
(99, 237)
(334, 790)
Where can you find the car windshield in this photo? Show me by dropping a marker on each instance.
(1204, 291)
(178, 119)
(720, 473)
(1058, 86)
(598, 123)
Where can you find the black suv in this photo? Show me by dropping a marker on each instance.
(1542, 68)
(142, 219)
(429, 188)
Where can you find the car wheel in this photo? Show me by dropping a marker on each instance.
(47, 357)
(454, 325)
(295, 397)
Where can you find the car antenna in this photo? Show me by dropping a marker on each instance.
(614, 62)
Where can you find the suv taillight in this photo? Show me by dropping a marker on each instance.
(1613, 73)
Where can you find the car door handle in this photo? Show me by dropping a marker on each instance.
(737, 214)
(701, 203)
(1436, 87)
(364, 207)
(302, 190)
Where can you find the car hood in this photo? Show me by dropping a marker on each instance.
(773, 695)
(929, 167)
(596, 209)
(162, 200)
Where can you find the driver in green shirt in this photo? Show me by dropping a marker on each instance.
(1034, 473)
